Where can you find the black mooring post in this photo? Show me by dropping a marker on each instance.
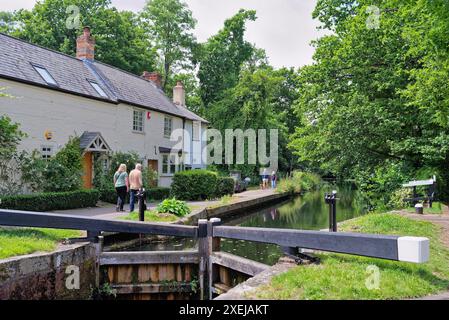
(331, 200)
(142, 206)
(334, 213)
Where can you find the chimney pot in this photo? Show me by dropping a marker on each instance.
(179, 94)
(85, 45)
(154, 77)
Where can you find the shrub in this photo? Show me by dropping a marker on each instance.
(194, 185)
(299, 182)
(109, 195)
(225, 186)
(60, 173)
(286, 186)
(51, 201)
(173, 206)
(397, 199)
(158, 193)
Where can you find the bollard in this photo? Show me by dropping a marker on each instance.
(331, 200)
(142, 206)
(419, 208)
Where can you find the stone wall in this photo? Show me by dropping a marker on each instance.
(43, 276)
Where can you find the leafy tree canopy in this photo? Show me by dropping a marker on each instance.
(169, 25)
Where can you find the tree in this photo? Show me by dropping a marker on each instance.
(169, 25)
(221, 58)
(10, 137)
(373, 106)
(10, 134)
(60, 173)
(120, 41)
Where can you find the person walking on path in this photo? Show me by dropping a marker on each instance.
(273, 180)
(135, 184)
(121, 184)
(265, 179)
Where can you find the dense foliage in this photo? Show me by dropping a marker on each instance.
(158, 193)
(60, 173)
(299, 182)
(51, 201)
(194, 185)
(374, 105)
(169, 25)
(225, 187)
(10, 136)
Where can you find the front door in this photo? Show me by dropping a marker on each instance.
(87, 170)
(153, 165)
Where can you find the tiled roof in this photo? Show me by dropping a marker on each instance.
(17, 58)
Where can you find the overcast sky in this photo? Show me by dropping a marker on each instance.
(284, 28)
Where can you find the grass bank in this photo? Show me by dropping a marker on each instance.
(151, 216)
(21, 241)
(341, 276)
(436, 209)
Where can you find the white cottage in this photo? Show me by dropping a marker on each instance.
(57, 96)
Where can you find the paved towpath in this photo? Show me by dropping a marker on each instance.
(107, 211)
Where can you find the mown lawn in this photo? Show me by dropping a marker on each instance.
(341, 276)
(151, 216)
(21, 241)
(436, 209)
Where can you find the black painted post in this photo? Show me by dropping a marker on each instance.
(331, 200)
(334, 212)
(415, 195)
(141, 197)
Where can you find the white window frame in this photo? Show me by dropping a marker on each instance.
(45, 75)
(138, 127)
(98, 89)
(46, 152)
(169, 166)
(168, 126)
(196, 132)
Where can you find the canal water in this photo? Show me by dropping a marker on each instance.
(306, 212)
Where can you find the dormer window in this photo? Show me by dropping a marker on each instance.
(46, 76)
(99, 90)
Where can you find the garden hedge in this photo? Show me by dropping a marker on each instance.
(194, 185)
(157, 193)
(51, 201)
(225, 186)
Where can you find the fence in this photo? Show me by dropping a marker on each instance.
(209, 235)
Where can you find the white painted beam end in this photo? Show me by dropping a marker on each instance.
(413, 249)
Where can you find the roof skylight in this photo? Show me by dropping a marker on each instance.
(98, 89)
(46, 75)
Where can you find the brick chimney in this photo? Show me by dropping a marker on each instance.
(154, 77)
(85, 45)
(179, 94)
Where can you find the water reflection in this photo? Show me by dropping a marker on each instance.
(307, 212)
